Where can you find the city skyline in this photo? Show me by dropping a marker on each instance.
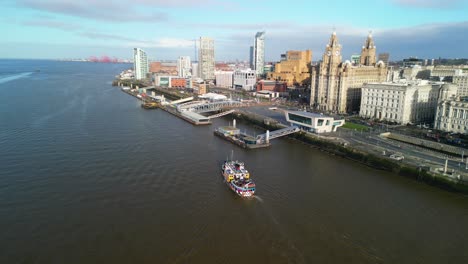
(69, 29)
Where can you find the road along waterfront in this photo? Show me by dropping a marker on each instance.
(88, 176)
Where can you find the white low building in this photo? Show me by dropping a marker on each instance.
(213, 97)
(245, 79)
(224, 79)
(313, 122)
(267, 94)
(452, 111)
(400, 102)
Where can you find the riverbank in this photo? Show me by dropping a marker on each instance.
(337, 148)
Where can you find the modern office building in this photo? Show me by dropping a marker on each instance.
(195, 71)
(168, 81)
(184, 66)
(412, 61)
(452, 111)
(313, 122)
(140, 63)
(268, 68)
(206, 59)
(336, 86)
(224, 79)
(401, 102)
(251, 57)
(294, 70)
(245, 79)
(259, 52)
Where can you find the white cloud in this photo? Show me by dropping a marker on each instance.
(174, 43)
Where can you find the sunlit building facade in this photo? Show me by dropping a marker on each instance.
(140, 63)
(206, 59)
(259, 53)
(336, 85)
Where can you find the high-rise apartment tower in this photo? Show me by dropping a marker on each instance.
(140, 63)
(183, 66)
(206, 59)
(259, 52)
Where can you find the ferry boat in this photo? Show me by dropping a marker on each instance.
(237, 177)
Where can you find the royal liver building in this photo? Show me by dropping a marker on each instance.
(336, 85)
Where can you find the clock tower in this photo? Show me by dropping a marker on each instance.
(368, 52)
(336, 85)
(328, 79)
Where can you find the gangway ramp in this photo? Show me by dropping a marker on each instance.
(277, 133)
(221, 114)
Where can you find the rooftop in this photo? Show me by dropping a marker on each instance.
(404, 82)
(213, 96)
(194, 116)
(307, 114)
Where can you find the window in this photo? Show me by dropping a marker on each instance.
(320, 122)
(327, 123)
(300, 119)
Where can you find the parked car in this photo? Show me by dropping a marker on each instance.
(397, 157)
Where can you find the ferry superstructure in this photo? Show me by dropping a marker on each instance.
(237, 177)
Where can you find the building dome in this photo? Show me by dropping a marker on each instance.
(380, 64)
(347, 64)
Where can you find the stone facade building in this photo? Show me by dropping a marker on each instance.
(293, 70)
(401, 102)
(446, 72)
(336, 85)
(461, 81)
(452, 111)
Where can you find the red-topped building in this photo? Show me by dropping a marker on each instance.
(274, 86)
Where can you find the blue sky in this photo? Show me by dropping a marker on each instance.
(166, 28)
